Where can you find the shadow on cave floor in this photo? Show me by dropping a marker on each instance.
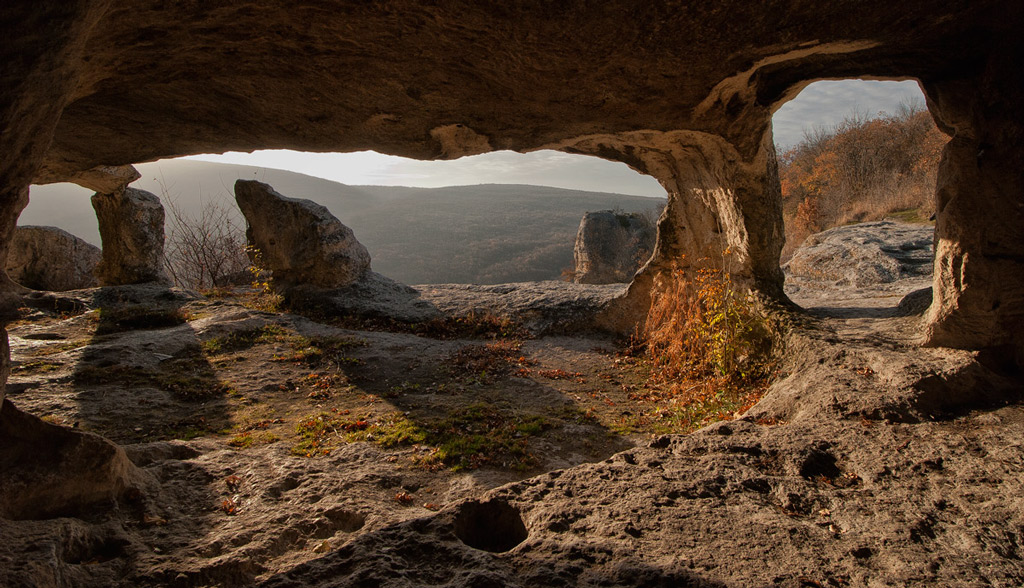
(148, 364)
(891, 312)
(853, 312)
(119, 361)
(279, 412)
(143, 376)
(524, 406)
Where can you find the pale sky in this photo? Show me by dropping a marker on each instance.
(822, 103)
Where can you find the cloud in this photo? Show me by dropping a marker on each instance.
(827, 103)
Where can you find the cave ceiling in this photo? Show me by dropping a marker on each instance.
(153, 79)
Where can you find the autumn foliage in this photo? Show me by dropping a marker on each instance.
(711, 348)
(863, 169)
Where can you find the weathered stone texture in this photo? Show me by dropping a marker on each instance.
(611, 246)
(10, 208)
(865, 254)
(48, 258)
(121, 84)
(131, 226)
(54, 471)
(300, 241)
(105, 179)
(978, 297)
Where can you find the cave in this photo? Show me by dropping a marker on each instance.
(683, 93)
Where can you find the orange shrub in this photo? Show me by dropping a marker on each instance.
(862, 169)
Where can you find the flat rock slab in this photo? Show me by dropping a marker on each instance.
(865, 254)
(879, 261)
(541, 307)
(375, 296)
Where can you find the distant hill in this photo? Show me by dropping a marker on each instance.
(486, 234)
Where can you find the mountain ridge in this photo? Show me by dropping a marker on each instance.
(484, 233)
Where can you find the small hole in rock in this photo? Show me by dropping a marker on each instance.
(493, 526)
(345, 520)
(819, 463)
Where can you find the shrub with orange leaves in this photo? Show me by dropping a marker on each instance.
(860, 170)
(709, 344)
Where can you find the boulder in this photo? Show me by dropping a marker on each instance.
(864, 255)
(300, 241)
(48, 258)
(51, 471)
(131, 224)
(611, 246)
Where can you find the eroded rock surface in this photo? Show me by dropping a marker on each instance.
(862, 255)
(867, 461)
(51, 471)
(696, 115)
(48, 258)
(840, 494)
(131, 226)
(611, 246)
(300, 241)
(541, 307)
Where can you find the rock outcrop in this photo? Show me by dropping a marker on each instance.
(131, 226)
(300, 241)
(52, 471)
(708, 140)
(845, 267)
(866, 254)
(48, 258)
(684, 93)
(611, 246)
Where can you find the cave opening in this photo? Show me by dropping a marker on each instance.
(858, 181)
(494, 218)
(147, 365)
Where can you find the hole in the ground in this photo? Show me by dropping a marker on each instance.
(494, 526)
(344, 520)
(92, 550)
(819, 463)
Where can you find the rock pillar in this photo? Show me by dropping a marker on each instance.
(611, 246)
(724, 211)
(978, 299)
(131, 224)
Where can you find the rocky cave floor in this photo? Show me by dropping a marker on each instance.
(277, 450)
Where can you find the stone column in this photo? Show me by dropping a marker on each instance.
(978, 292)
(131, 224)
(724, 210)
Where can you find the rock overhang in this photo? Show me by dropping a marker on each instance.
(154, 80)
(681, 91)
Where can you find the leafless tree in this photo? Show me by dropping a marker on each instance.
(201, 251)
